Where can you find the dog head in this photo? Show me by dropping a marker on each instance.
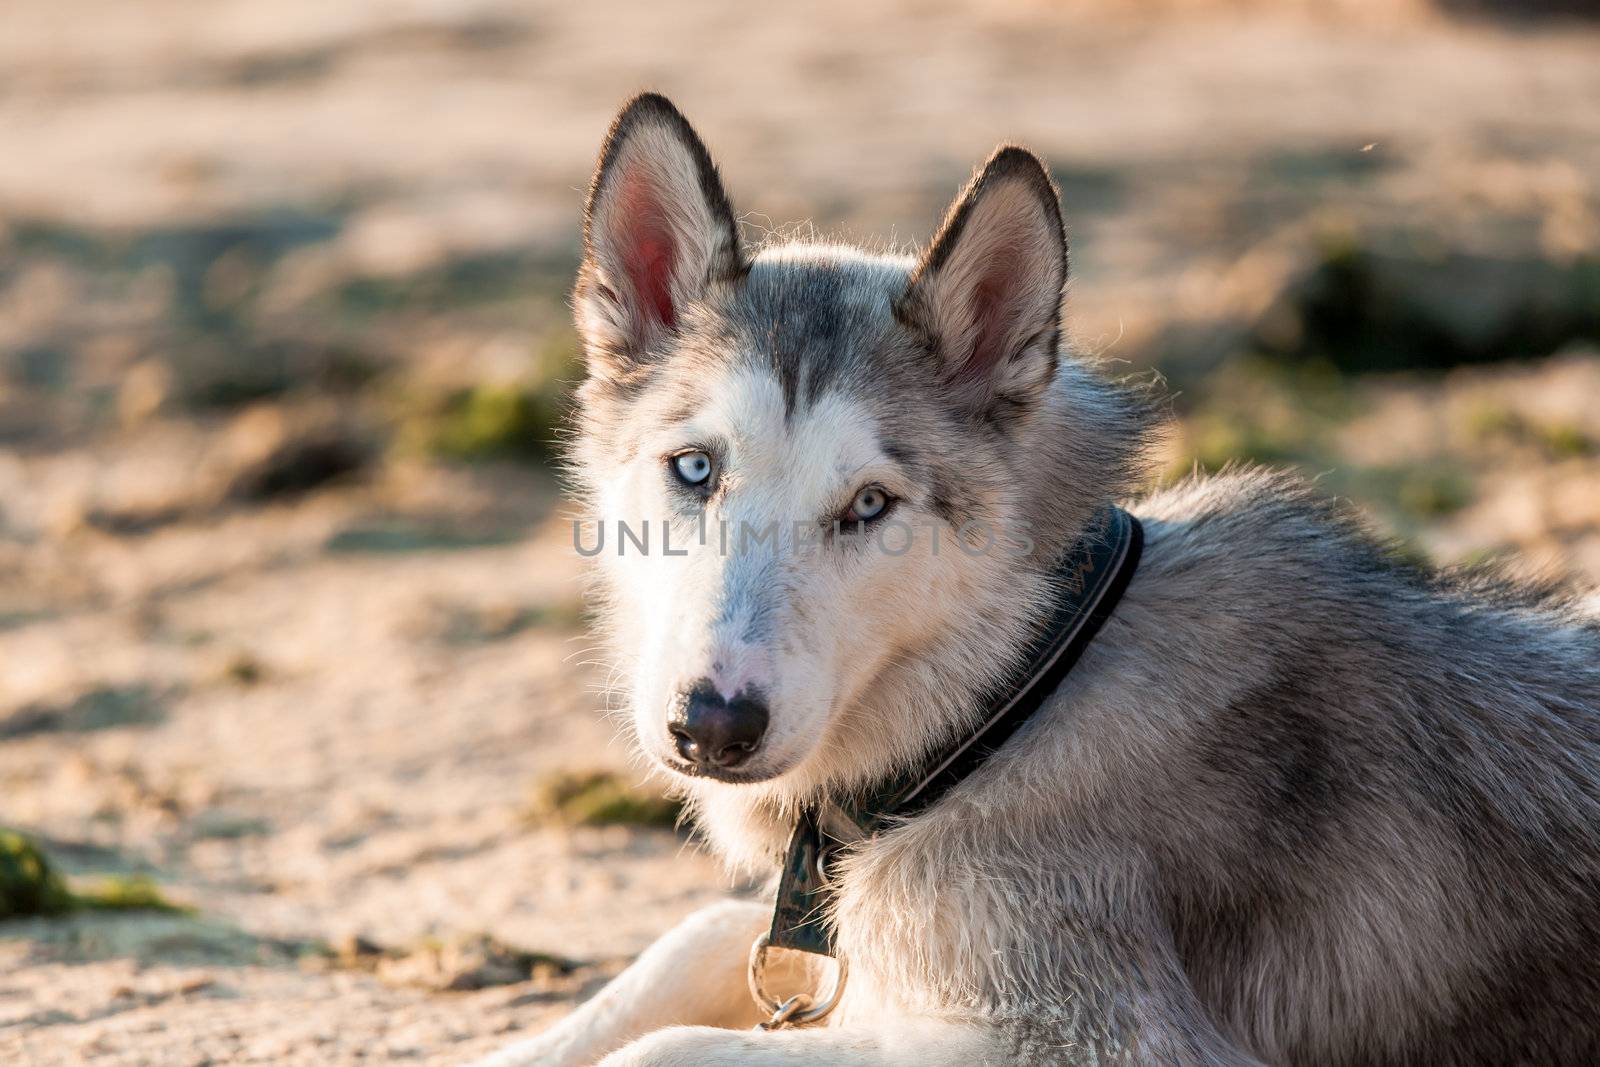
(813, 473)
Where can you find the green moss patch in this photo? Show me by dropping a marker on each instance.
(600, 798)
(31, 886)
(1491, 423)
(454, 964)
(134, 892)
(517, 420)
(480, 422)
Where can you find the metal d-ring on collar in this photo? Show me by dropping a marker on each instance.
(1091, 578)
(799, 1009)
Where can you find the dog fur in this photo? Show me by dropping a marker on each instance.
(1299, 803)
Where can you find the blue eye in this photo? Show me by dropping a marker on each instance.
(868, 505)
(692, 468)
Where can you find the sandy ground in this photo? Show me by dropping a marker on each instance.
(319, 719)
(372, 781)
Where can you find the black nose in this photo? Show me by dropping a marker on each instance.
(718, 734)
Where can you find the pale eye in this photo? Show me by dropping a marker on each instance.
(692, 468)
(868, 505)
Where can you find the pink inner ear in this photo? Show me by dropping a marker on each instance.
(993, 307)
(648, 252)
(649, 264)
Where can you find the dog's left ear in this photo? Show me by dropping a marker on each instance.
(658, 231)
(988, 290)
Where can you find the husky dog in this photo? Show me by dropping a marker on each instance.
(1298, 803)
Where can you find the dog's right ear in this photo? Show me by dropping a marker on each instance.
(658, 231)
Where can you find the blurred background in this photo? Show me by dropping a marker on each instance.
(300, 751)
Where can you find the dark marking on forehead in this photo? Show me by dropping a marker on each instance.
(816, 324)
(785, 364)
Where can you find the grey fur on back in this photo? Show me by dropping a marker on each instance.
(1366, 796)
(1298, 798)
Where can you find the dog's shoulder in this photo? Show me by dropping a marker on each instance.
(1260, 547)
(1251, 513)
(1272, 531)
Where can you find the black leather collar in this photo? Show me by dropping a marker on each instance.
(1092, 575)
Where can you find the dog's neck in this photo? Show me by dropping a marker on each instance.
(1085, 450)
